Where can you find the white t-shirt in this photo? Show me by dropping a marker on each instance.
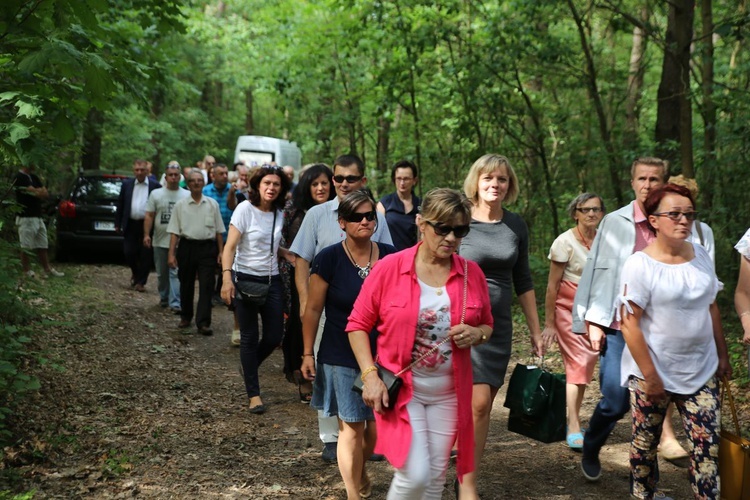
(676, 321)
(567, 249)
(161, 201)
(254, 253)
(433, 325)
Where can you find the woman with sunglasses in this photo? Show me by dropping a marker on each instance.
(336, 276)
(430, 307)
(567, 259)
(499, 243)
(676, 350)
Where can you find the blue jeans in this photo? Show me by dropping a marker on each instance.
(254, 349)
(168, 283)
(615, 401)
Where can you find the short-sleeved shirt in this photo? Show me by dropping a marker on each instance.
(254, 254)
(676, 321)
(333, 265)
(221, 198)
(321, 229)
(568, 250)
(196, 221)
(161, 202)
(31, 206)
(402, 225)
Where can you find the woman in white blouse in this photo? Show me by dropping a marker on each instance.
(742, 292)
(675, 345)
(567, 259)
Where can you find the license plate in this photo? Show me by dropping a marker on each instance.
(104, 226)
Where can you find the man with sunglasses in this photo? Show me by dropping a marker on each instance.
(320, 229)
(621, 233)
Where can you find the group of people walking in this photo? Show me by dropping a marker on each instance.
(355, 289)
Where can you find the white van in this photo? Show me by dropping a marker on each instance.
(257, 150)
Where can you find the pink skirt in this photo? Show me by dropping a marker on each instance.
(578, 356)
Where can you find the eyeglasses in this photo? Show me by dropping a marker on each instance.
(359, 216)
(676, 216)
(586, 210)
(351, 179)
(443, 229)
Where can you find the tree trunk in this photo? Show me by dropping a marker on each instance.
(381, 157)
(92, 140)
(593, 88)
(674, 120)
(249, 121)
(709, 107)
(635, 83)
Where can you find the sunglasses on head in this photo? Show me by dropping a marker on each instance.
(358, 216)
(443, 229)
(351, 179)
(676, 216)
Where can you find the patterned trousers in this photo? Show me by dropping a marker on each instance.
(701, 417)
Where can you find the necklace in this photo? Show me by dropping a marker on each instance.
(362, 271)
(583, 240)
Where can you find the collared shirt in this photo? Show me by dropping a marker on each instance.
(321, 229)
(196, 220)
(221, 198)
(643, 235)
(139, 200)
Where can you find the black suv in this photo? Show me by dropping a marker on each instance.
(86, 218)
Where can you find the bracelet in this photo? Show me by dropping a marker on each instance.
(225, 270)
(368, 371)
(306, 355)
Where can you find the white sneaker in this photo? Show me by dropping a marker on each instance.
(54, 272)
(30, 274)
(235, 337)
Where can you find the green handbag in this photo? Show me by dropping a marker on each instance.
(536, 399)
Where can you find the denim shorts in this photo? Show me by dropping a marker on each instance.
(333, 395)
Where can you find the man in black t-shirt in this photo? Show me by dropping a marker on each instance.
(32, 233)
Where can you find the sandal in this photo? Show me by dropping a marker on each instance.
(304, 396)
(575, 441)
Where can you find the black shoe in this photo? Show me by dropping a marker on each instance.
(376, 457)
(258, 410)
(184, 323)
(591, 468)
(205, 330)
(329, 452)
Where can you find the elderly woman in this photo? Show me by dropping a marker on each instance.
(499, 243)
(336, 277)
(251, 254)
(400, 208)
(430, 306)
(675, 345)
(567, 259)
(742, 292)
(315, 187)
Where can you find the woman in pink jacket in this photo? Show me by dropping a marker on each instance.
(415, 299)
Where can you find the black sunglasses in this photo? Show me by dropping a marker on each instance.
(585, 210)
(676, 216)
(358, 216)
(443, 230)
(351, 179)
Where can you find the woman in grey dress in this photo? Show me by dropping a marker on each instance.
(499, 243)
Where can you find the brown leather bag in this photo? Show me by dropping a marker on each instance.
(734, 456)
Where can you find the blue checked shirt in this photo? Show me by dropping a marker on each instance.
(221, 199)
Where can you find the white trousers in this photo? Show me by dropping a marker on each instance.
(433, 412)
(328, 427)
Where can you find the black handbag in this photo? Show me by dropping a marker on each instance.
(254, 292)
(393, 381)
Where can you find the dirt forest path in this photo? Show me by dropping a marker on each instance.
(142, 410)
